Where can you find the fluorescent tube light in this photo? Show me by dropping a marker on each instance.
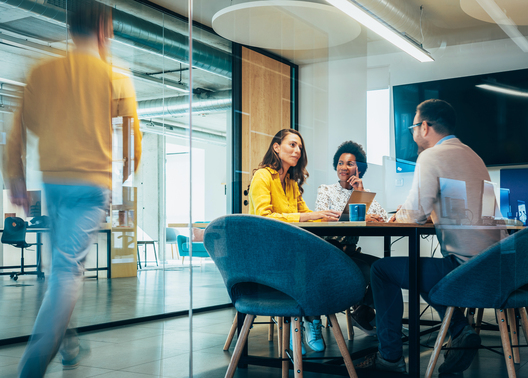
(504, 90)
(176, 88)
(506, 24)
(382, 29)
(12, 82)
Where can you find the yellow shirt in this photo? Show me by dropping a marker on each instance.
(269, 199)
(69, 104)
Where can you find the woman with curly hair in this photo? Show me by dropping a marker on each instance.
(350, 162)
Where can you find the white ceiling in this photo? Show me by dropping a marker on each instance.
(444, 23)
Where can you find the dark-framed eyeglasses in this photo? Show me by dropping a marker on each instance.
(411, 128)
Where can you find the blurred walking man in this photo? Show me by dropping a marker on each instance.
(68, 104)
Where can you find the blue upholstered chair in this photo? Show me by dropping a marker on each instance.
(498, 279)
(271, 268)
(198, 248)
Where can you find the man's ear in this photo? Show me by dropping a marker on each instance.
(425, 129)
(276, 147)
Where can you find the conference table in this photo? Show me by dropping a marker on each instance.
(413, 232)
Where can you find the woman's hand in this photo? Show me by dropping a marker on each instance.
(324, 215)
(374, 218)
(356, 183)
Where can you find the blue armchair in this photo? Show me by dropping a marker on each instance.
(198, 248)
(271, 268)
(498, 279)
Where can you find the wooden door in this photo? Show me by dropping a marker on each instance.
(266, 109)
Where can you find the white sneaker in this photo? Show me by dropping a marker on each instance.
(303, 349)
(314, 337)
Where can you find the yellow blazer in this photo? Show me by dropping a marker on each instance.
(267, 197)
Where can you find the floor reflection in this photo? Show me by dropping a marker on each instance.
(152, 292)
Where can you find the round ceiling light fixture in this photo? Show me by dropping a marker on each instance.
(515, 10)
(285, 25)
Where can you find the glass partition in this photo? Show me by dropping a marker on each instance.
(137, 267)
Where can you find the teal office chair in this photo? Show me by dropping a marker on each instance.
(271, 268)
(197, 248)
(498, 279)
(170, 238)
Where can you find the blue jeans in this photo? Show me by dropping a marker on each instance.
(391, 274)
(76, 212)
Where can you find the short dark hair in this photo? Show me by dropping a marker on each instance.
(355, 149)
(439, 114)
(87, 17)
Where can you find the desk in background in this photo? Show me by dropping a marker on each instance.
(40, 231)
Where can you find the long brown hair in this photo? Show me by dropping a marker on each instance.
(271, 159)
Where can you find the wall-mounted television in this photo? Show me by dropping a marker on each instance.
(492, 115)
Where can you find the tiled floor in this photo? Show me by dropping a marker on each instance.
(161, 349)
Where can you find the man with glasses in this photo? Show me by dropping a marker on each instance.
(441, 156)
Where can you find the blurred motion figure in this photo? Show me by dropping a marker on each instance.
(68, 104)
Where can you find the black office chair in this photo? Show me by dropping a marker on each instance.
(15, 234)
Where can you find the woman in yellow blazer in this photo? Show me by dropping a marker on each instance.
(276, 188)
(276, 192)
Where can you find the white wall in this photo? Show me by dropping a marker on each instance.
(333, 107)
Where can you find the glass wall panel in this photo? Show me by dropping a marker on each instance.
(137, 243)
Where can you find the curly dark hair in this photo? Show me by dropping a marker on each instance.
(271, 159)
(355, 149)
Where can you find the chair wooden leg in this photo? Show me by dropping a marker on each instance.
(297, 348)
(514, 334)
(439, 341)
(231, 333)
(524, 322)
(326, 322)
(285, 346)
(350, 327)
(271, 329)
(172, 251)
(501, 317)
(478, 323)
(279, 334)
(241, 342)
(342, 346)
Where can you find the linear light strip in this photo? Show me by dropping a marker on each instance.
(506, 24)
(508, 91)
(383, 30)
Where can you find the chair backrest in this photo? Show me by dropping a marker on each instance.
(14, 232)
(250, 251)
(488, 279)
(170, 235)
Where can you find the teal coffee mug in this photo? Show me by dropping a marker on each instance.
(357, 212)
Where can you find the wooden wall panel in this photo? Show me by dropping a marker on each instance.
(266, 109)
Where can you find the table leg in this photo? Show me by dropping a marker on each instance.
(39, 254)
(386, 246)
(414, 304)
(109, 253)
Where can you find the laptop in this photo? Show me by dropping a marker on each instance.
(357, 196)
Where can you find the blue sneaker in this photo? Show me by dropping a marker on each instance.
(303, 349)
(314, 337)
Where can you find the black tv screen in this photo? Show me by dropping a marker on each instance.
(492, 115)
